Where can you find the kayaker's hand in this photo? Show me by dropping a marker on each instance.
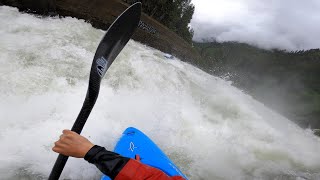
(72, 144)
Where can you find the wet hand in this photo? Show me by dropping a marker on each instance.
(72, 144)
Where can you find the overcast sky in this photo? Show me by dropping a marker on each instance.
(284, 24)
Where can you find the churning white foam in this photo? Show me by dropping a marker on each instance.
(211, 129)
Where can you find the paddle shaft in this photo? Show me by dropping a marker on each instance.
(77, 127)
(116, 37)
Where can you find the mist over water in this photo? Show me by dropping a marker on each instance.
(209, 128)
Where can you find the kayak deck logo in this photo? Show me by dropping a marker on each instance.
(132, 147)
(102, 66)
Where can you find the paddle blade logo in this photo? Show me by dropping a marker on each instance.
(102, 66)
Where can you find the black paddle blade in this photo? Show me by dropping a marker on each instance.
(116, 37)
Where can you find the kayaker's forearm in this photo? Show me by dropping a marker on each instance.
(109, 163)
(118, 167)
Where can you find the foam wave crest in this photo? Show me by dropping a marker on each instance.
(211, 129)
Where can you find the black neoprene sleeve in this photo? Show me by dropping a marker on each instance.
(109, 163)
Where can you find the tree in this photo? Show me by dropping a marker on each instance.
(175, 14)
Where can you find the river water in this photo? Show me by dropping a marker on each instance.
(209, 128)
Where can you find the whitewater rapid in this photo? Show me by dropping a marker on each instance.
(209, 128)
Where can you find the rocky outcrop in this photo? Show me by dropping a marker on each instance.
(101, 13)
(44, 7)
(316, 132)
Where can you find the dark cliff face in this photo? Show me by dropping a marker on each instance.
(36, 6)
(101, 13)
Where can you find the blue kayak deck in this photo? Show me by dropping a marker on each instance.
(134, 142)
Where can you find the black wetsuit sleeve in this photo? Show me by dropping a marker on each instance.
(109, 163)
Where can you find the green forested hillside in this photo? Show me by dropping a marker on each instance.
(175, 14)
(288, 82)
